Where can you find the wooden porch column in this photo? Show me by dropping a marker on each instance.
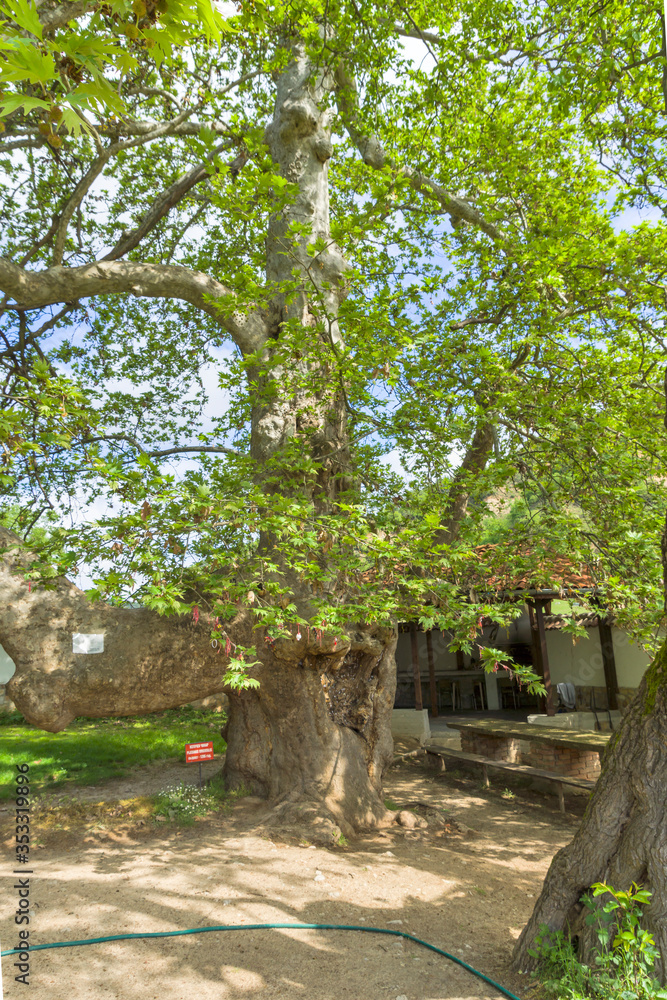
(540, 651)
(608, 659)
(431, 674)
(460, 662)
(535, 645)
(415, 667)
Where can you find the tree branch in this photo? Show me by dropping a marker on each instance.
(415, 32)
(33, 336)
(186, 128)
(63, 12)
(481, 320)
(98, 165)
(36, 289)
(24, 143)
(163, 452)
(60, 15)
(422, 36)
(165, 202)
(130, 129)
(209, 449)
(374, 155)
(474, 462)
(156, 92)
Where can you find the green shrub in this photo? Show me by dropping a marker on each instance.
(11, 718)
(183, 803)
(625, 959)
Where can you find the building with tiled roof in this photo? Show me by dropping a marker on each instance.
(604, 668)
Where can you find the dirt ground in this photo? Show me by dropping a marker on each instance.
(467, 887)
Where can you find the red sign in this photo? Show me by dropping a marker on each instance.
(198, 751)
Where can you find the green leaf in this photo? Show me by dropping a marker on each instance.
(25, 62)
(13, 102)
(23, 13)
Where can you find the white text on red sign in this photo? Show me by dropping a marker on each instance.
(198, 751)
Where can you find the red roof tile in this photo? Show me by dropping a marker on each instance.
(530, 571)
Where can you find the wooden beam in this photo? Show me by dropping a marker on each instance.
(535, 644)
(544, 656)
(608, 659)
(431, 674)
(415, 667)
(540, 656)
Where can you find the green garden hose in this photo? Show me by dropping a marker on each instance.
(266, 927)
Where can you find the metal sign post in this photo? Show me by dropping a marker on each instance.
(198, 752)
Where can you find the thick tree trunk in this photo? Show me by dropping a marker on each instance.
(314, 738)
(149, 662)
(623, 835)
(303, 400)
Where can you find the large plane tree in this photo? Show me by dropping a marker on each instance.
(239, 273)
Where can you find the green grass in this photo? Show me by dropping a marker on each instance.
(90, 750)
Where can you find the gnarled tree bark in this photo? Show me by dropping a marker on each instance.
(623, 834)
(316, 736)
(149, 662)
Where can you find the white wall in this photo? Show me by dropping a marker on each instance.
(631, 661)
(7, 667)
(581, 662)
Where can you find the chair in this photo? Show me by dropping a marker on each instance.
(508, 695)
(452, 689)
(479, 694)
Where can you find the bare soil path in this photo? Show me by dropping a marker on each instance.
(468, 888)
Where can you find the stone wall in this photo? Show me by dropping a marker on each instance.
(588, 695)
(545, 756)
(491, 747)
(563, 760)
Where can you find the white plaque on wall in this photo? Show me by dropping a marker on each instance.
(87, 642)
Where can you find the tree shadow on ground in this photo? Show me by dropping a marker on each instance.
(467, 892)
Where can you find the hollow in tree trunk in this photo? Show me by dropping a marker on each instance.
(315, 737)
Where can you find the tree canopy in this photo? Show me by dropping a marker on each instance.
(220, 351)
